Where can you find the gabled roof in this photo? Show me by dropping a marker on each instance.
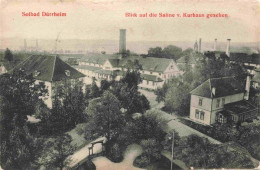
(49, 68)
(148, 63)
(98, 58)
(224, 86)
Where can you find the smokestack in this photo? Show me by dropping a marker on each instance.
(228, 47)
(215, 45)
(200, 45)
(122, 41)
(248, 81)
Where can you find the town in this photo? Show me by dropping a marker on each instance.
(168, 108)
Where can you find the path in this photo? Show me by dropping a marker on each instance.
(177, 162)
(80, 156)
(173, 122)
(132, 151)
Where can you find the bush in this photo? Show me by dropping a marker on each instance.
(88, 165)
(141, 161)
(115, 150)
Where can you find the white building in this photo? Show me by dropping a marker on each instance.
(50, 70)
(154, 71)
(221, 100)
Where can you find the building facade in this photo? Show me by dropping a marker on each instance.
(50, 70)
(221, 100)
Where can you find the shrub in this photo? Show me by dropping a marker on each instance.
(142, 161)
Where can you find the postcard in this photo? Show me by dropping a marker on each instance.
(129, 84)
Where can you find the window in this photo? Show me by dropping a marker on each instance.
(151, 72)
(218, 102)
(221, 119)
(197, 114)
(223, 101)
(153, 83)
(147, 82)
(171, 66)
(160, 74)
(200, 102)
(202, 115)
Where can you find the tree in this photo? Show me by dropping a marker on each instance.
(8, 55)
(126, 90)
(94, 90)
(172, 52)
(105, 117)
(18, 95)
(155, 52)
(56, 151)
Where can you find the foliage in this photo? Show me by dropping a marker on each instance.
(67, 111)
(105, 117)
(176, 92)
(141, 161)
(8, 55)
(126, 90)
(198, 152)
(18, 97)
(171, 52)
(55, 152)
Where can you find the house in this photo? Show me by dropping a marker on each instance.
(2, 68)
(221, 100)
(154, 71)
(256, 79)
(51, 70)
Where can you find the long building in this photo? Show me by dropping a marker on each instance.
(154, 71)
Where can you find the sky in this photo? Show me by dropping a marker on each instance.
(100, 19)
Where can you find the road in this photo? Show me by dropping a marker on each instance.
(173, 122)
(81, 155)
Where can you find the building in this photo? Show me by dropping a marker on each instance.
(256, 79)
(154, 71)
(250, 61)
(221, 100)
(51, 70)
(2, 68)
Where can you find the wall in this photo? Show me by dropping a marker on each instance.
(207, 115)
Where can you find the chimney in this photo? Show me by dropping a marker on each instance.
(248, 81)
(122, 41)
(213, 91)
(200, 45)
(228, 47)
(215, 45)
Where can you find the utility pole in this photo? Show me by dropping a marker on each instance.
(172, 148)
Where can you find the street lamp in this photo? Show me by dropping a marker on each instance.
(172, 138)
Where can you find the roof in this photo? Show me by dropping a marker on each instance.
(86, 67)
(256, 77)
(224, 86)
(105, 72)
(148, 63)
(151, 78)
(239, 107)
(49, 68)
(98, 58)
